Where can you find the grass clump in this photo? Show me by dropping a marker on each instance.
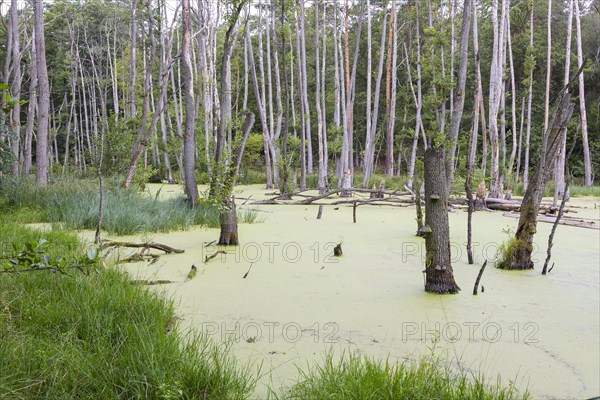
(74, 205)
(353, 377)
(93, 336)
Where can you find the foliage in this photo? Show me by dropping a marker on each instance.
(98, 336)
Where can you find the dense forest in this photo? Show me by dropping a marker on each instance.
(360, 87)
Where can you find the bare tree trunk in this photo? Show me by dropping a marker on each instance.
(309, 155)
(132, 59)
(459, 95)
(418, 123)
(301, 82)
(548, 66)
(41, 146)
(372, 123)
(520, 145)
(31, 111)
(513, 95)
(587, 161)
(529, 101)
(322, 172)
(495, 94)
(390, 82)
(559, 165)
(144, 132)
(391, 111)
(189, 139)
(520, 254)
(438, 267)
(369, 79)
(15, 88)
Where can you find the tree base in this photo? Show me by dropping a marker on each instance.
(229, 228)
(439, 288)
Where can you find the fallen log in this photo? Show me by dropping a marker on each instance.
(147, 245)
(579, 223)
(150, 282)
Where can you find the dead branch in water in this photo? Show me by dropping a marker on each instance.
(216, 253)
(579, 223)
(147, 245)
(479, 278)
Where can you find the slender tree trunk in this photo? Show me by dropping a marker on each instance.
(301, 81)
(31, 110)
(189, 140)
(15, 88)
(369, 79)
(559, 165)
(520, 253)
(144, 132)
(44, 96)
(322, 173)
(520, 145)
(132, 59)
(389, 83)
(459, 95)
(418, 123)
(372, 128)
(548, 66)
(438, 267)
(307, 126)
(513, 95)
(529, 101)
(587, 161)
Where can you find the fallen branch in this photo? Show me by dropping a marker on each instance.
(216, 253)
(580, 223)
(147, 245)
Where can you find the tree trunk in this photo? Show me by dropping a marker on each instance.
(229, 228)
(520, 255)
(587, 161)
(15, 89)
(559, 166)
(372, 127)
(459, 95)
(548, 66)
(438, 268)
(389, 83)
(529, 101)
(189, 139)
(41, 147)
(132, 59)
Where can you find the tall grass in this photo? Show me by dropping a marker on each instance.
(353, 377)
(74, 205)
(98, 337)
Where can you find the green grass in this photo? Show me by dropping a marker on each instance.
(74, 205)
(353, 377)
(95, 336)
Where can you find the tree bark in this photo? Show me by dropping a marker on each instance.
(459, 95)
(559, 165)
(41, 147)
(228, 220)
(438, 267)
(529, 101)
(15, 88)
(587, 161)
(520, 255)
(189, 139)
